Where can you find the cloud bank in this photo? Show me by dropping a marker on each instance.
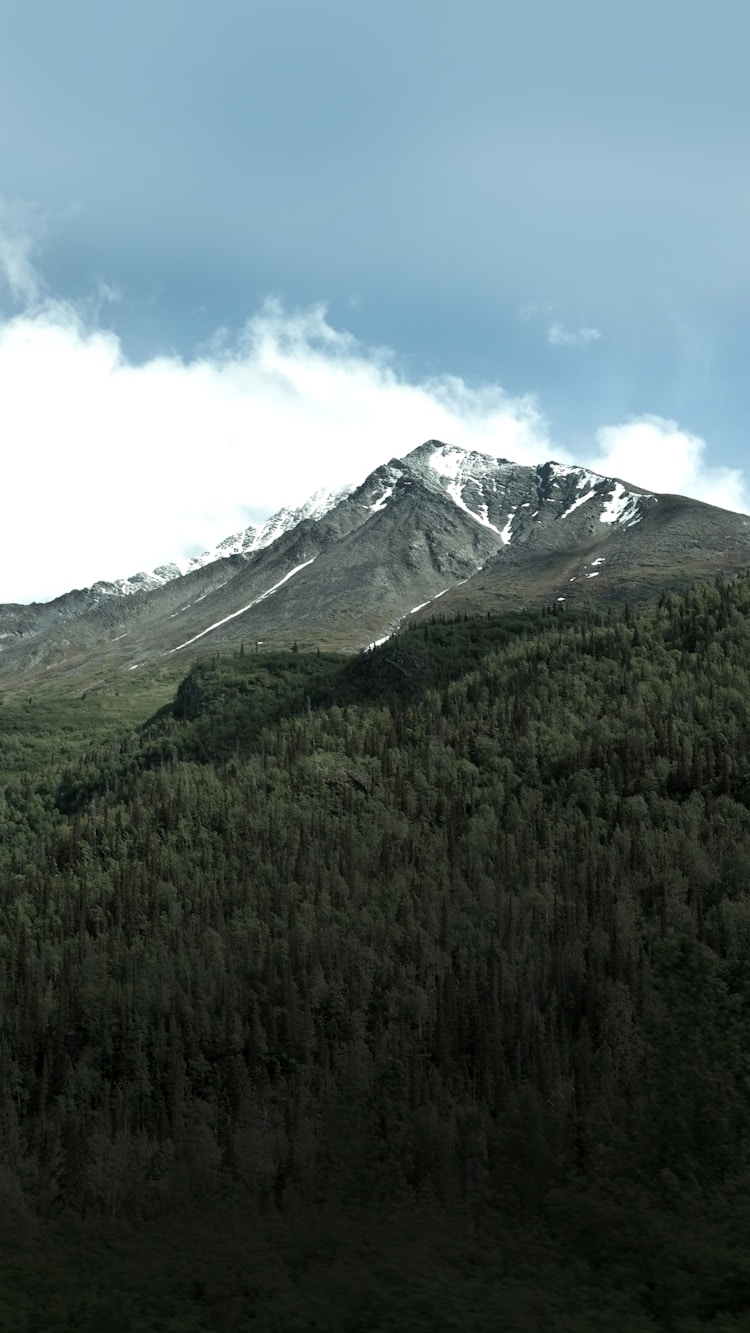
(110, 467)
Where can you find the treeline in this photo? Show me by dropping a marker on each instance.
(460, 926)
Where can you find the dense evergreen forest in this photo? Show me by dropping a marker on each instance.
(407, 991)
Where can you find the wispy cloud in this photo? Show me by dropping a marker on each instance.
(559, 336)
(20, 235)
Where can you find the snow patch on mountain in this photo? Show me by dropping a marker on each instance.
(382, 501)
(243, 609)
(458, 468)
(622, 507)
(582, 474)
(449, 461)
(580, 500)
(454, 491)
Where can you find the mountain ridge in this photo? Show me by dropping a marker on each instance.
(441, 530)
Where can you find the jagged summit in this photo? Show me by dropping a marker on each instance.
(441, 530)
(496, 491)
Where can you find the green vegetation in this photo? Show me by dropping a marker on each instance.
(403, 991)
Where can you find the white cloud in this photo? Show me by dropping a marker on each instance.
(110, 467)
(655, 453)
(559, 336)
(20, 233)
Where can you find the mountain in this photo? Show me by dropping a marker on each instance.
(441, 531)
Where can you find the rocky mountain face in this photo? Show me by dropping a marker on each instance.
(440, 531)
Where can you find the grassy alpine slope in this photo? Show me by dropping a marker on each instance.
(405, 991)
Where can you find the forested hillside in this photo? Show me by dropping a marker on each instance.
(405, 991)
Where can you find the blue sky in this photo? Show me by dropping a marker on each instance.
(248, 250)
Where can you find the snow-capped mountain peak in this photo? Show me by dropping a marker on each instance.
(500, 496)
(504, 496)
(440, 531)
